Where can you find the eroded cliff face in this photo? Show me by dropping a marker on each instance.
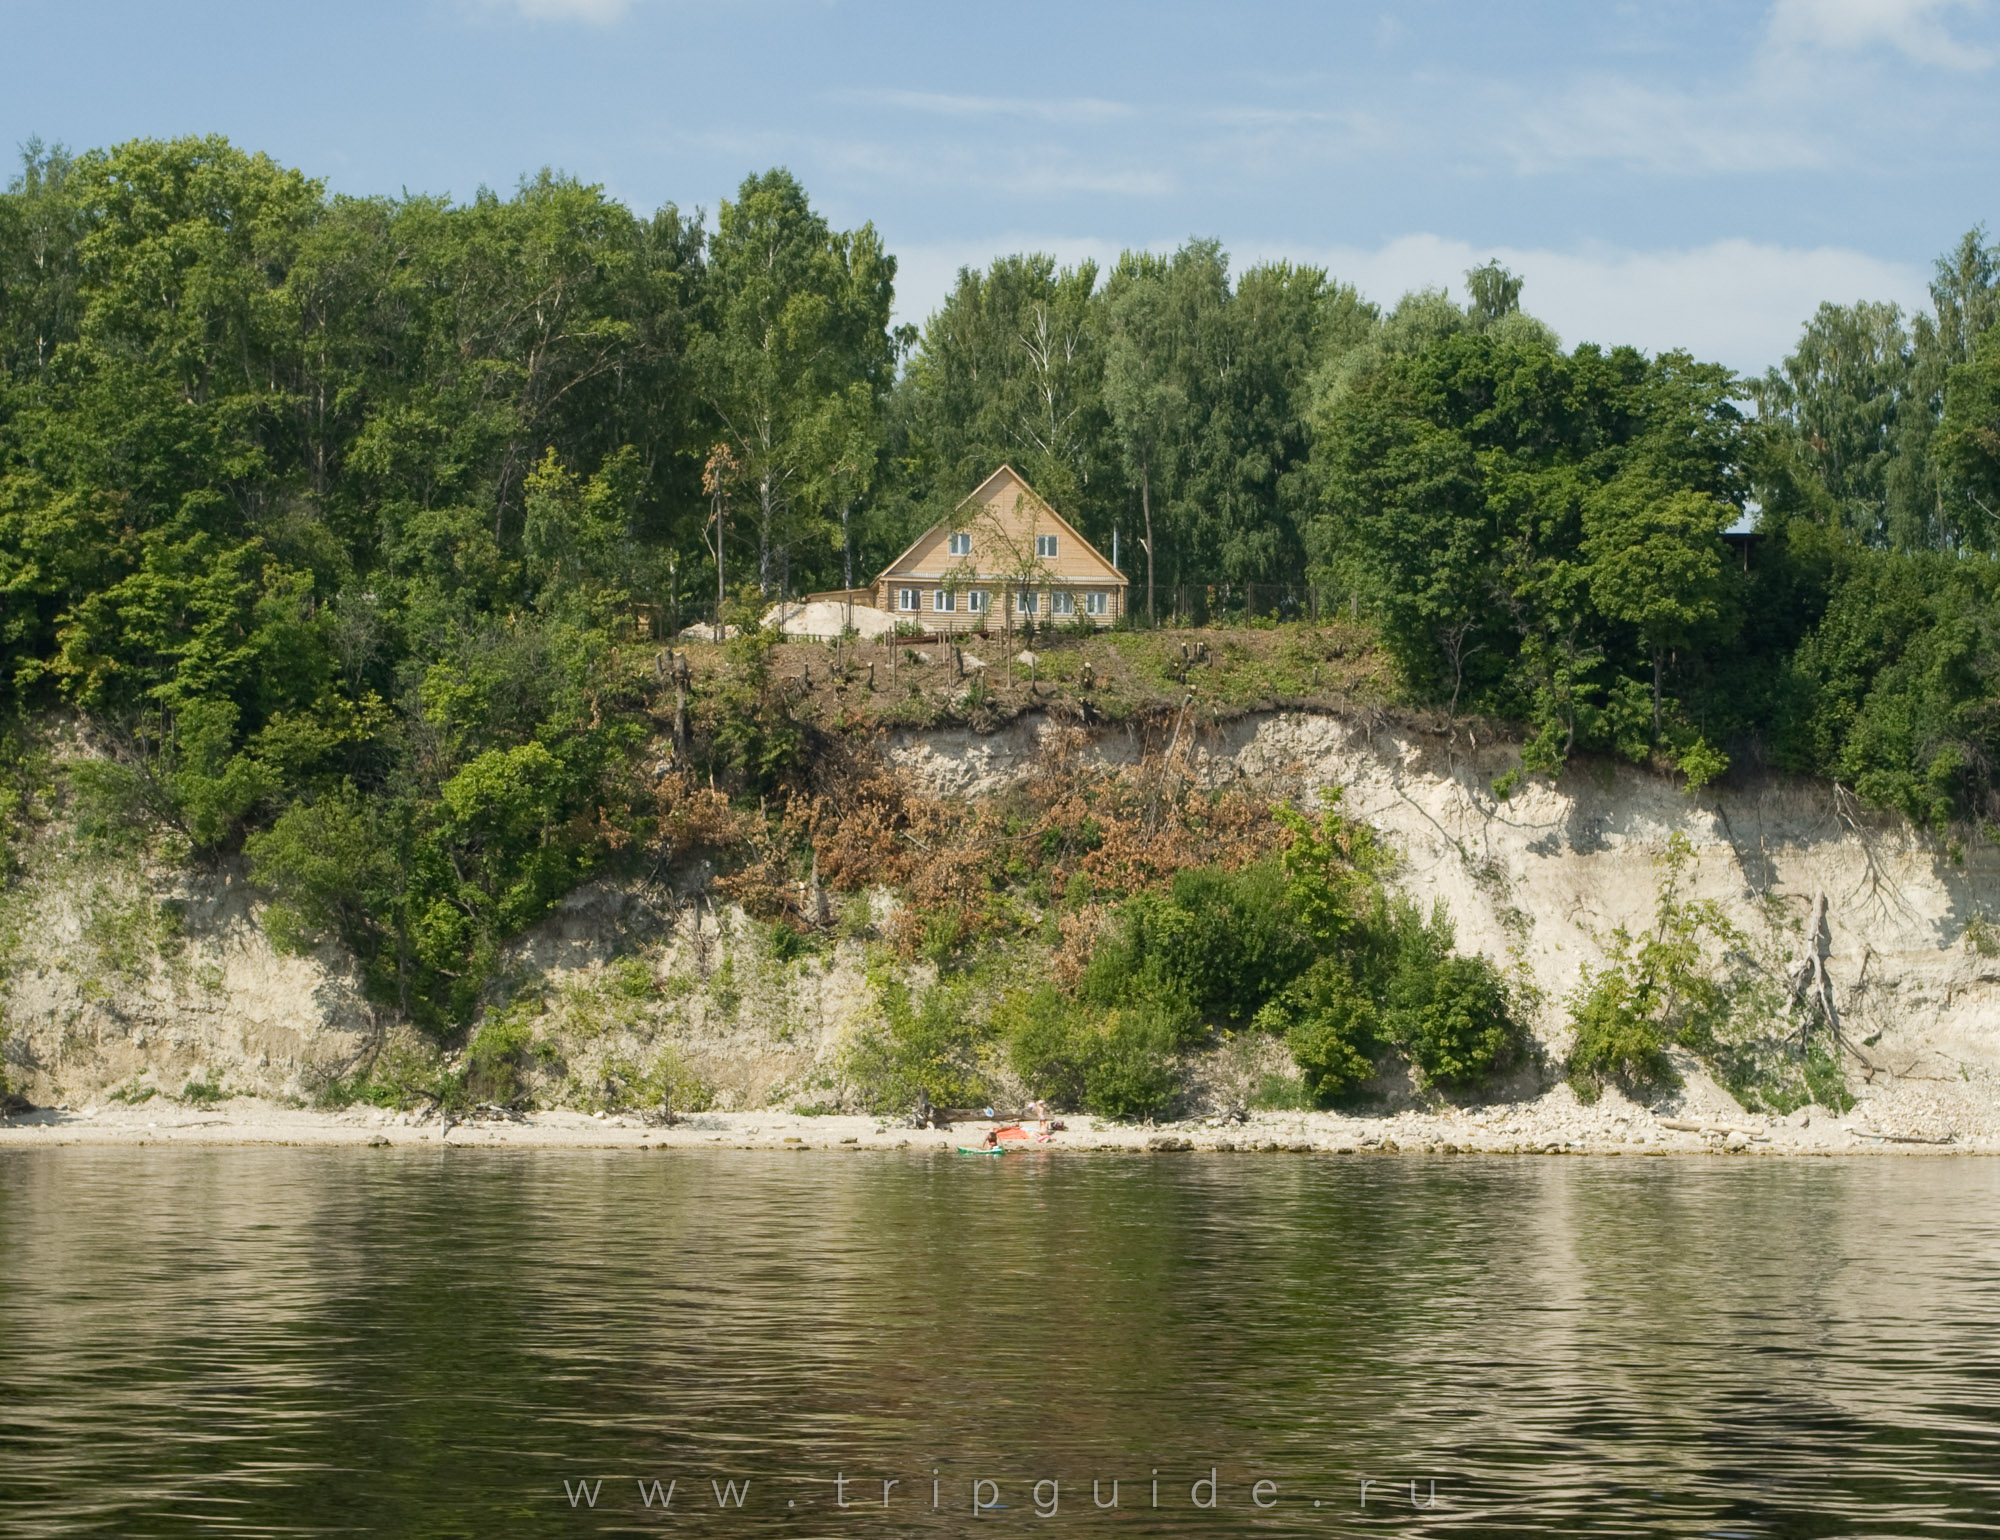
(1538, 881)
(1544, 875)
(115, 972)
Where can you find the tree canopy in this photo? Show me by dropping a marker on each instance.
(330, 514)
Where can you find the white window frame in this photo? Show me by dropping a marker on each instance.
(1097, 602)
(1062, 602)
(944, 600)
(1045, 547)
(909, 600)
(1027, 601)
(975, 601)
(961, 545)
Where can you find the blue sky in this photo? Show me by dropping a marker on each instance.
(1699, 174)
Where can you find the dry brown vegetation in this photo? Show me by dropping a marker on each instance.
(1070, 840)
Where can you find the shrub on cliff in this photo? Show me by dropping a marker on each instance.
(1218, 942)
(1117, 1062)
(1387, 976)
(925, 1045)
(1655, 990)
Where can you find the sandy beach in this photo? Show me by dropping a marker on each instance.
(1543, 1127)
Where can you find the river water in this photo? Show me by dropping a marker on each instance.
(476, 1343)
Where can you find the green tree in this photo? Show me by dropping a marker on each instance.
(794, 358)
(1145, 388)
(1968, 442)
(1009, 370)
(1656, 563)
(1657, 990)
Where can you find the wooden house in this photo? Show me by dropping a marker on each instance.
(1004, 561)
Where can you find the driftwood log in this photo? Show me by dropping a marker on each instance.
(1811, 984)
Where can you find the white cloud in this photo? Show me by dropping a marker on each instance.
(1914, 28)
(1738, 302)
(926, 272)
(1077, 109)
(1614, 118)
(1781, 113)
(1029, 173)
(596, 12)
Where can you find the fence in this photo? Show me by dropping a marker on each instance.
(1217, 604)
(1183, 604)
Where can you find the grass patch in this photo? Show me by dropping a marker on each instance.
(1281, 1093)
(663, 1084)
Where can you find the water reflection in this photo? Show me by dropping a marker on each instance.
(286, 1342)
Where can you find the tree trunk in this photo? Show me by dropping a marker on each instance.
(1146, 507)
(1812, 985)
(1656, 696)
(721, 588)
(846, 571)
(765, 499)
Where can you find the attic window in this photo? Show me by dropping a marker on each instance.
(961, 545)
(1045, 545)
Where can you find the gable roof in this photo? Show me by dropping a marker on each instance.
(1023, 490)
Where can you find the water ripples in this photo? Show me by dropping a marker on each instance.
(287, 1342)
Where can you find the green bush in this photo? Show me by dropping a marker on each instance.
(495, 1058)
(204, 1093)
(1046, 1047)
(1310, 947)
(1446, 1011)
(1330, 1025)
(1774, 1076)
(1654, 991)
(1221, 942)
(1130, 1071)
(329, 871)
(1395, 982)
(1463, 1032)
(664, 1084)
(924, 1045)
(1281, 1093)
(1120, 1062)
(1616, 1038)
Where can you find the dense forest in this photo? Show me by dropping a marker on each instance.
(332, 514)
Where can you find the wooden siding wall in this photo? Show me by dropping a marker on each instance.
(994, 618)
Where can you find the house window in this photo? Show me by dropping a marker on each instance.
(1096, 603)
(944, 601)
(1062, 602)
(975, 601)
(908, 598)
(1045, 545)
(961, 545)
(1026, 601)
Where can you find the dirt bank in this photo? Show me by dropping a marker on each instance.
(149, 983)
